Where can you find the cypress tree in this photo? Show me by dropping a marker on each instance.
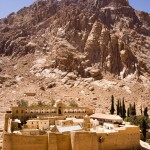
(141, 110)
(144, 128)
(146, 112)
(130, 109)
(112, 110)
(123, 109)
(118, 108)
(134, 108)
(128, 112)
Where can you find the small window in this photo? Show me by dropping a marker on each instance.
(16, 111)
(22, 111)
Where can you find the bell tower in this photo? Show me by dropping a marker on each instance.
(87, 123)
(60, 106)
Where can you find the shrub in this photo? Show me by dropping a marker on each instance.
(73, 104)
(22, 103)
(41, 104)
(52, 102)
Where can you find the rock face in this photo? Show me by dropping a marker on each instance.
(106, 35)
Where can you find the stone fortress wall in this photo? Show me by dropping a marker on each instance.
(19, 142)
(122, 140)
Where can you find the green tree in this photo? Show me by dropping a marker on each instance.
(135, 120)
(112, 110)
(130, 109)
(41, 104)
(22, 103)
(118, 108)
(134, 108)
(128, 112)
(73, 104)
(52, 102)
(123, 109)
(146, 112)
(144, 127)
(141, 110)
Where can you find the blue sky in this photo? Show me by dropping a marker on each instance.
(8, 6)
(143, 5)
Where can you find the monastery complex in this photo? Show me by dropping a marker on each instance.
(67, 128)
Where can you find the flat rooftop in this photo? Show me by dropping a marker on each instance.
(106, 116)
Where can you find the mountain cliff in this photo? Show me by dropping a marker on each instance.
(108, 35)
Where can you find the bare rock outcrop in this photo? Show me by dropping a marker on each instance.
(80, 34)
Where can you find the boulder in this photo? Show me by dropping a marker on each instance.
(95, 73)
(94, 98)
(51, 85)
(42, 88)
(10, 83)
(71, 76)
(91, 88)
(4, 78)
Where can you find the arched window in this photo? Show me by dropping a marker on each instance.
(31, 111)
(76, 110)
(59, 111)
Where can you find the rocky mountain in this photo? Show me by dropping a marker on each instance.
(84, 50)
(107, 35)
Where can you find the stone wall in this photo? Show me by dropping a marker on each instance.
(123, 140)
(128, 139)
(21, 142)
(84, 140)
(59, 141)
